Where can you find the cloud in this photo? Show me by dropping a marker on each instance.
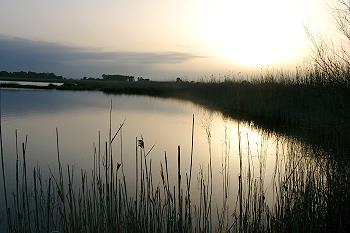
(23, 54)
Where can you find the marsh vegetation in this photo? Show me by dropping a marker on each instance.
(303, 193)
(251, 186)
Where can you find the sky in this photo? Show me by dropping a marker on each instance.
(159, 39)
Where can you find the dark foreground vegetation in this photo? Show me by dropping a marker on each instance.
(308, 194)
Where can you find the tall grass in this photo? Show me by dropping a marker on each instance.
(306, 194)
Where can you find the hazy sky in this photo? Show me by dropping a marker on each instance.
(159, 39)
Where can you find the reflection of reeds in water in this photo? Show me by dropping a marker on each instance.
(309, 195)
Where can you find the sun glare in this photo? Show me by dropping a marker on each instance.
(254, 33)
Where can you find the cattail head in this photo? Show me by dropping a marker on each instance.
(141, 143)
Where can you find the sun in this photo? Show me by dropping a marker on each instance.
(254, 33)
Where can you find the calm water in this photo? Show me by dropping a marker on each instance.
(39, 84)
(164, 123)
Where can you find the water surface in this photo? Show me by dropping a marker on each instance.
(163, 124)
(39, 84)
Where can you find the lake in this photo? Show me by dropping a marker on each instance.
(221, 145)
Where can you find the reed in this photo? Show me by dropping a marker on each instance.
(3, 170)
(308, 194)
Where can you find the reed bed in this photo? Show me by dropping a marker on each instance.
(306, 194)
(313, 101)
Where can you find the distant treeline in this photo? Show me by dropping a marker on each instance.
(118, 77)
(29, 75)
